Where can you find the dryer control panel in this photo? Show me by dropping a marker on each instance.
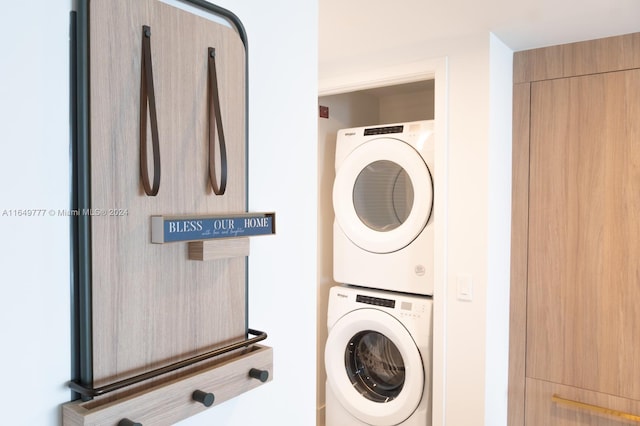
(383, 130)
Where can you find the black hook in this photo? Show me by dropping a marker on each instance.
(127, 422)
(262, 375)
(205, 398)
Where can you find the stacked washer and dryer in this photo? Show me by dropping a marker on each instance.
(379, 347)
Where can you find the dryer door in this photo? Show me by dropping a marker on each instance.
(383, 195)
(374, 367)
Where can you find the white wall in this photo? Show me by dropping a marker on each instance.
(467, 234)
(499, 227)
(34, 171)
(34, 167)
(468, 138)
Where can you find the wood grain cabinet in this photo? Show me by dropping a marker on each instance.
(575, 317)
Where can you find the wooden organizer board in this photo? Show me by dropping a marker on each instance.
(151, 304)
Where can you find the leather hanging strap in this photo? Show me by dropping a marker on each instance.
(215, 127)
(147, 95)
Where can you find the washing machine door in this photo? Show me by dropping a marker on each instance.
(374, 367)
(383, 195)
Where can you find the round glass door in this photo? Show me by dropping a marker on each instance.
(383, 195)
(374, 367)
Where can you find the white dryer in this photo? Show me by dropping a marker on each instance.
(383, 204)
(378, 358)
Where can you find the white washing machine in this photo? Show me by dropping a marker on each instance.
(378, 358)
(383, 204)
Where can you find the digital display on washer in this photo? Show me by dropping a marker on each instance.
(383, 130)
(376, 301)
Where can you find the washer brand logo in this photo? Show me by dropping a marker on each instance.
(350, 134)
(342, 295)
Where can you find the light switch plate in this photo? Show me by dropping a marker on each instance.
(464, 287)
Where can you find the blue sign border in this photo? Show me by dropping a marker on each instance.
(174, 229)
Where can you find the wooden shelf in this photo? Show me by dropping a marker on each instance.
(222, 249)
(171, 402)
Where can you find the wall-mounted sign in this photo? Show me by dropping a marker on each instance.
(167, 229)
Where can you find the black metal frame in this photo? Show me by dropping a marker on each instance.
(81, 300)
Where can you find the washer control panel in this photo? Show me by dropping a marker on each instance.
(404, 307)
(376, 301)
(412, 309)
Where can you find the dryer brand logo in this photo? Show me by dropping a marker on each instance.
(350, 133)
(342, 295)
